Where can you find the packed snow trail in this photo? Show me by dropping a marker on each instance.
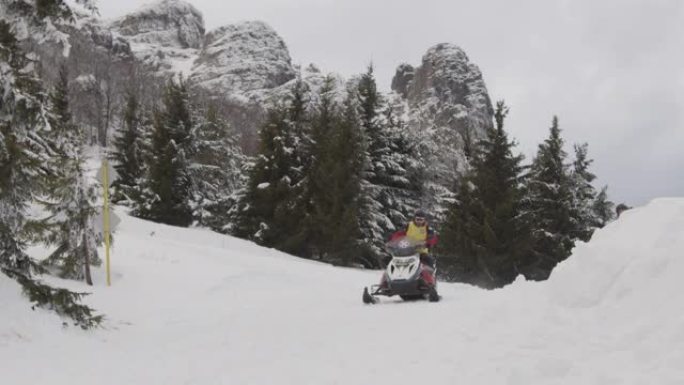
(189, 306)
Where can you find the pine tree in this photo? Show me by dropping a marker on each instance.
(272, 207)
(550, 203)
(333, 184)
(287, 217)
(603, 209)
(71, 199)
(459, 234)
(319, 190)
(168, 184)
(592, 210)
(390, 192)
(128, 154)
(375, 224)
(348, 156)
(257, 204)
(25, 151)
(583, 194)
(60, 119)
(402, 193)
(485, 237)
(216, 170)
(72, 221)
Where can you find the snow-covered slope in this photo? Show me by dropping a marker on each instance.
(194, 307)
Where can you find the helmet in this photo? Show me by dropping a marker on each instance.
(420, 214)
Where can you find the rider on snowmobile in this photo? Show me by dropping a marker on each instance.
(419, 230)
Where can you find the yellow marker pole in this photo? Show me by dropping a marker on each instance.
(105, 185)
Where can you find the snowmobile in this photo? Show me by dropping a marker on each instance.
(405, 275)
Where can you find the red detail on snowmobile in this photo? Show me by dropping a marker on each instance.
(397, 235)
(428, 277)
(431, 241)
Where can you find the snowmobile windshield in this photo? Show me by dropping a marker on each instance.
(404, 247)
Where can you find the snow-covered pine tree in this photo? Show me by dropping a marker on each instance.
(333, 183)
(319, 190)
(402, 193)
(128, 154)
(592, 210)
(25, 151)
(71, 199)
(272, 208)
(583, 193)
(216, 170)
(256, 206)
(389, 193)
(166, 195)
(374, 222)
(603, 209)
(288, 214)
(459, 233)
(73, 222)
(485, 236)
(349, 157)
(237, 214)
(550, 203)
(60, 119)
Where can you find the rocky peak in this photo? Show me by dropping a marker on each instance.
(448, 108)
(451, 85)
(241, 65)
(402, 78)
(168, 23)
(447, 73)
(243, 57)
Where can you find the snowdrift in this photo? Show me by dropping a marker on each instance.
(636, 262)
(189, 306)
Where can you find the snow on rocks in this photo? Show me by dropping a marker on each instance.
(446, 106)
(243, 57)
(234, 61)
(168, 23)
(166, 35)
(447, 86)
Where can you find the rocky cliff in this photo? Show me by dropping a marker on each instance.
(169, 23)
(239, 66)
(242, 58)
(165, 36)
(446, 91)
(239, 61)
(446, 105)
(242, 66)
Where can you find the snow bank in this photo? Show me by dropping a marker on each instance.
(636, 261)
(19, 324)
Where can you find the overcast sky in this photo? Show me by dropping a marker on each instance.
(612, 70)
